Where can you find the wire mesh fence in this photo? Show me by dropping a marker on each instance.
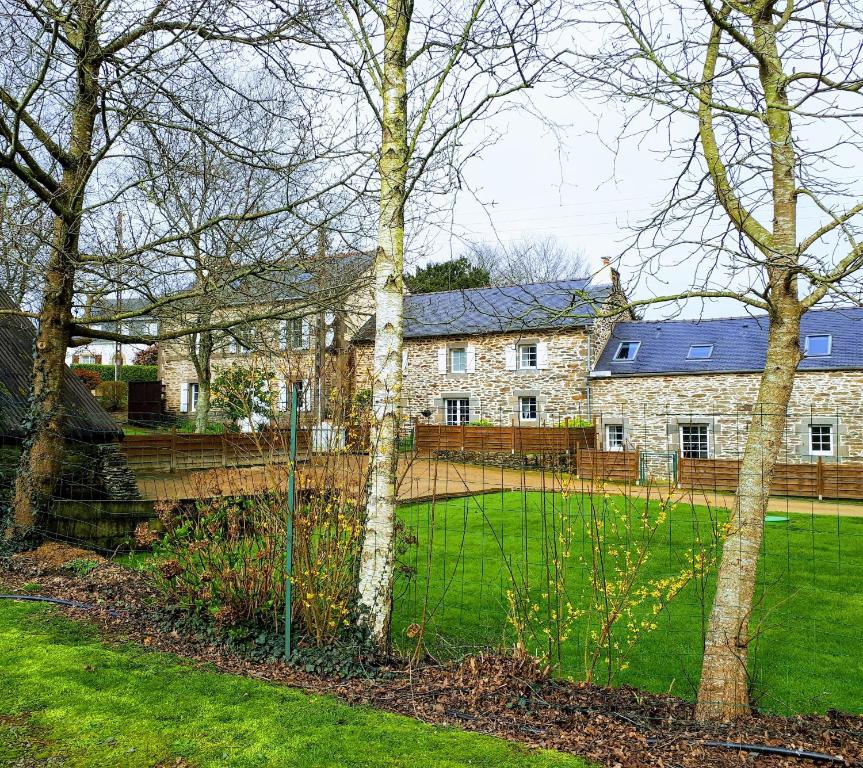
(593, 547)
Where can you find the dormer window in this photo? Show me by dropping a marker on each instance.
(818, 345)
(626, 351)
(700, 352)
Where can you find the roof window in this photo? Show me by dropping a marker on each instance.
(700, 352)
(626, 351)
(818, 345)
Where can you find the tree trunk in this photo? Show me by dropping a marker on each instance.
(41, 459)
(724, 690)
(376, 563)
(201, 348)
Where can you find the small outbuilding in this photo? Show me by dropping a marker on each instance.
(94, 464)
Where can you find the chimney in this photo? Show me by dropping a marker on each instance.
(607, 275)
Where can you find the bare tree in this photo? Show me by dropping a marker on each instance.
(76, 81)
(426, 74)
(529, 260)
(25, 232)
(761, 101)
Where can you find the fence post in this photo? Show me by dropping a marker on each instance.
(819, 479)
(172, 459)
(224, 443)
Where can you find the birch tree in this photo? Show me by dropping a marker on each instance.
(76, 79)
(760, 101)
(426, 74)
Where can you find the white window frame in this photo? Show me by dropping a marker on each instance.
(452, 357)
(614, 444)
(692, 425)
(828, 336)
(618, 359)
(522, 402)
(194, 394)
(690, 356)
(830, 433)
(524, 350)
(461, 411)
(87, 358)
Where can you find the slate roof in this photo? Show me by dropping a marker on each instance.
(537, 306)
(86, 419)
(739, 344)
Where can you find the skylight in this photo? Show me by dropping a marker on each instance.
(818, 345)
(700, 352)
(626, 351)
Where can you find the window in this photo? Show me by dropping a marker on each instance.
(527, 408)
(87, 359)
(527, 356)
(194, 391)
(457, 411)
(820, 439)
(458, 360)
(614, 437)
(694, 442)
(295, 337)
(700, 352)
(818, 346)
(626, 351)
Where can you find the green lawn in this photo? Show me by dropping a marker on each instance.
(68, 700)
(809, 652)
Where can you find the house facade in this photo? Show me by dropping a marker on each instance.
(304, 340)
(510, 355)
(689, 387)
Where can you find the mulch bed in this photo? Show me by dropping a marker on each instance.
(498, 695)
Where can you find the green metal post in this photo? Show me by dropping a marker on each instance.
(289, 544)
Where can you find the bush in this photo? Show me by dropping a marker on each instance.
(113, 395)
(127, 372)
(224, 560)
(91, 379)
(148, 356)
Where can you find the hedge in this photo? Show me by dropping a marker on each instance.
(127, 372)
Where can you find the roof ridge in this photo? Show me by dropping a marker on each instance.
(585, 280)
(695, 320)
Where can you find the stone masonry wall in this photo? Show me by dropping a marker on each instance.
(493, 390)
(652, 408)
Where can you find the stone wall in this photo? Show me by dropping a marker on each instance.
(493, 390)
(652, 408)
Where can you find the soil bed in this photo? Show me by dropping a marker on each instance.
(498, 695)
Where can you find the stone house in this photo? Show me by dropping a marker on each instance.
(689, 386)
(305, 341)
(510, 355)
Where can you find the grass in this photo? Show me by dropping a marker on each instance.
(808, 654)
(69, 700)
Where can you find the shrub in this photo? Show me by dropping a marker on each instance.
(223, 559)
(91, 379)
(148, 356)
(113, 395)
(127, 372)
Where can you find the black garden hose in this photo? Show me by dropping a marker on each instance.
(55, 601)
(766, 749)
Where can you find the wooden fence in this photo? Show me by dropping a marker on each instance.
(616, 466)
(430, 438)
(831, 480)
(174, 451)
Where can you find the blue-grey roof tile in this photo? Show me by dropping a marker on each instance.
(553, 305)
(739, 344)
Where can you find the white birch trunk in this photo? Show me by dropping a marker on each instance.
(376, 563)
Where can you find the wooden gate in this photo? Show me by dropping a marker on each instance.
(147, 402)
